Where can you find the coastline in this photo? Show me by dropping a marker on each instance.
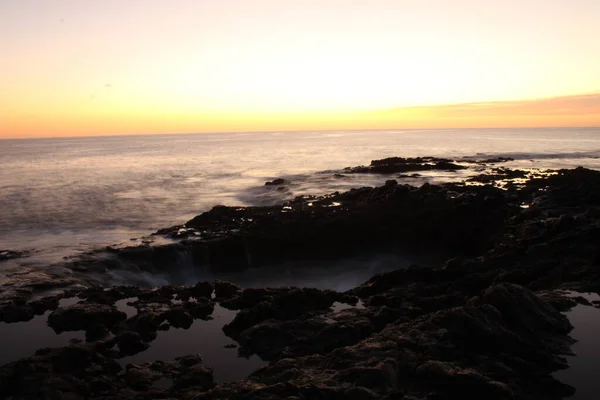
(488, 319)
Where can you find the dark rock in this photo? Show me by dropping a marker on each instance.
(83, 316)
(286, 305)
(145, 324)
(401, 165)
(16, 313)
(179, 318)
(96, 332)
(276, 182)
(198, 377)
(10, 254)
(520, 307)
(188, 361)
(487, 320)
(131, 343)
(202, 289)
(42, 305)
(140, 377)
(225, 290)
(199, 309)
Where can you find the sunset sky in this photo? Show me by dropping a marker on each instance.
(77, 67)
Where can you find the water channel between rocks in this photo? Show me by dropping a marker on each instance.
(584, 366)
(204, 337)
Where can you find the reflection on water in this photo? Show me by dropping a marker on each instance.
(584, 366)
(207, 339)
(122, 305)
(23, 339)
(337, 306)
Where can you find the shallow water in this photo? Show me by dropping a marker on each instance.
(584, 366)
(23, 339)
(203, 337)
(207, 339)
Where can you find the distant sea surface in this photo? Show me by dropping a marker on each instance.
(66, 195)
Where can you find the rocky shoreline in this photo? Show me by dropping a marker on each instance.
(487, 323)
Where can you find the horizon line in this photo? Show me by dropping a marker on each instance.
(295, 131)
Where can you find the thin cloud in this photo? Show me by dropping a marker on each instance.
(588, 104)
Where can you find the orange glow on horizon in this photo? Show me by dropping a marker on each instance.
(569, 111)
(73, 68)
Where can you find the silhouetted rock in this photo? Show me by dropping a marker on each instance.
(402, 165)
(484, 324)
(276, 182)
(16, 313)
(83, 316)
(131, 343)
(10, 254)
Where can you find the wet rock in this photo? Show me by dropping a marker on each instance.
(190, 360)
(16, 313)
(225, 290)
(276, 182)
(286, 305)
(57, 373)
(197, 377)
(250, 297)
(401, 165)
(42, 305)
(83, 316)
(96, 332)
(487, 320)
(520, 307)
(499, 174)
(131, 343)
(111, 295)
(10, 254)
(202, 289)
(179, 318)
(146, 324)
(311, 334)
(200, 309)
(437, 354)
(491, 160)
(140, 377)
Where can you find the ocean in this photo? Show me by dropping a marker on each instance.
(61, 196)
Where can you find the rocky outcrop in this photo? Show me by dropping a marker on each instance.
(402, 165)
(10, 254)
(276, 182)
(83, 316)
(83, 372)
(451, 353)
(484, 324)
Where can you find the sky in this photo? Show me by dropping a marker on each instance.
(74, 67)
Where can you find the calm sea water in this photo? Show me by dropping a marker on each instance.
(72, 194)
